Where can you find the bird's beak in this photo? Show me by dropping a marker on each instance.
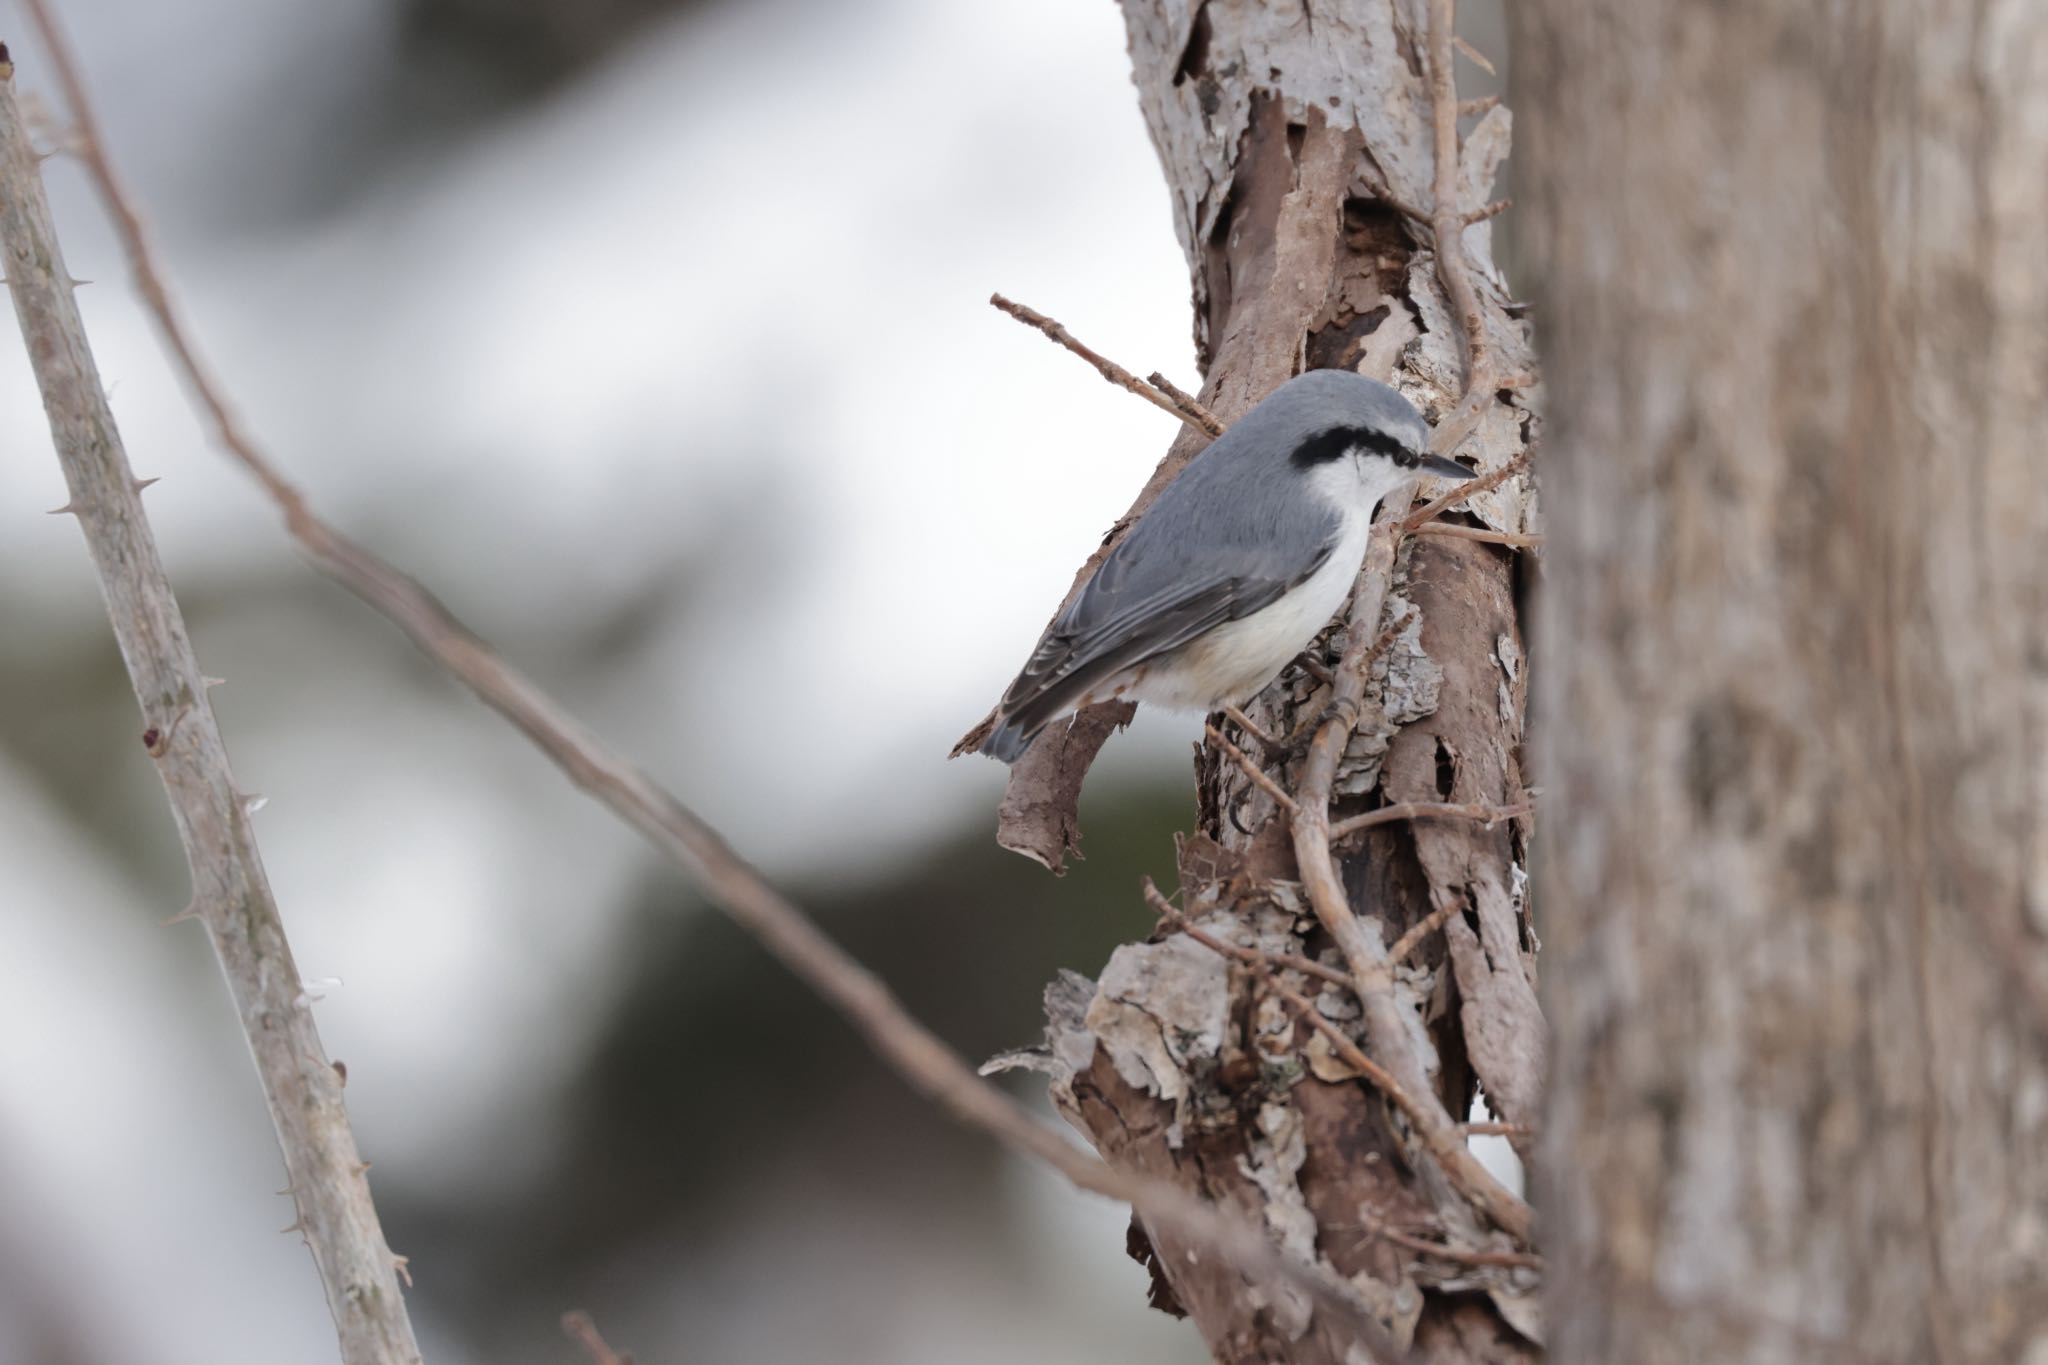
(1444, 469)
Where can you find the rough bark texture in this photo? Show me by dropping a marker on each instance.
(1794, 284)
(1285, 132)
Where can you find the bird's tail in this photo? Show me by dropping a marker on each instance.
(1010, 738)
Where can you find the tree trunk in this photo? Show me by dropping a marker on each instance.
(1289, 136)
(1795, 652)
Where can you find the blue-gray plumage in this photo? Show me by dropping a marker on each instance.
(1237, 564)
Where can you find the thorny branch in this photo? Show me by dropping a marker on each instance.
(230, 893)
(919, 1056)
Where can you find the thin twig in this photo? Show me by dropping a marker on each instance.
(1518, 1260)
(1252, 728)
(1486, 483)
(582, 1329)
(1513, 539)
(1350, 1053)
(1251, 769)
(1421, 930)
(1177, 917)
(1189, 405)
(1498, 1128)
(231, 895)
(1483, 814)
(1104, 366)
(1445, 1141)
(918, 1055)
(1477, 57)
(1447, 221)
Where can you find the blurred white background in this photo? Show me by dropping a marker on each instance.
(663, 355)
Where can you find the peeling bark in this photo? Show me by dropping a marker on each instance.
(1288, 140)
(1795, 293)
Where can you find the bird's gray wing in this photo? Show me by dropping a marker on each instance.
(1148, 599)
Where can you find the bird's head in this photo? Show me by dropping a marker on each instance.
(1343, 423)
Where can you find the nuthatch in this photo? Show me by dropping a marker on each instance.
(1236, 566)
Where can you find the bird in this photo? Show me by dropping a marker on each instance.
(1237, 565)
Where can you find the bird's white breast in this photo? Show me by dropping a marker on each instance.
(1234, 661)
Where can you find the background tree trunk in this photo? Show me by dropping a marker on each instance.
(1288, 135)
(1795, 650)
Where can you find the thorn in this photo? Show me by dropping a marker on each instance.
(211, 683)
(340, 1071)
(253, 802)
(158, 742)
(315, 988)
(296, 1225)
(141, 484)
(399, 1264)
(362, 1168)
(77, 284)
(190, 912)
(69, 507)
(1478, 106)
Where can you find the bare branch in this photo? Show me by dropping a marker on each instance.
(1513, 539)
(1484, 484)
(1421, 930)
(1496, 1128)
(1464, 1255)
(581, 1328)
(329, 1189)
(1189, 405)
(1173, 915)
(919, 1056)
(1194, 414)
(1447, 220)
(1251, 769)
(1445, 1141)
(1488, 816)
(1472, 54)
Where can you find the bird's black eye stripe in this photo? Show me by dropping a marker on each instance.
(1337, 442)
